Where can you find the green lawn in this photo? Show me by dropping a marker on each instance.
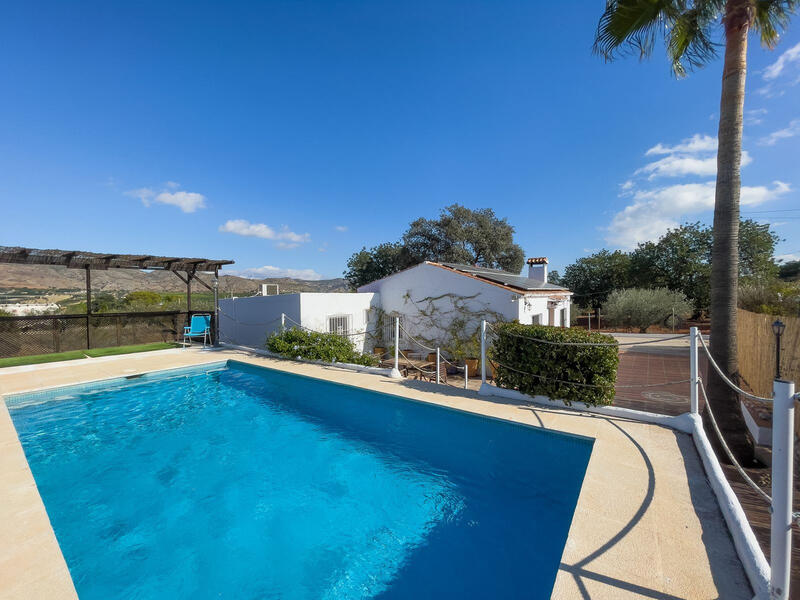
(36, 359)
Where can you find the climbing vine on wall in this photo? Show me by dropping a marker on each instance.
(450, 321)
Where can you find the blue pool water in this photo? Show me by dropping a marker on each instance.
(242, 482)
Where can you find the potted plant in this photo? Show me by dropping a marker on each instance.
(466, 348)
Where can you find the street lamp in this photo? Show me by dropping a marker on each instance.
(778, 328)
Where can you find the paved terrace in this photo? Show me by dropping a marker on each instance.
(646, 523)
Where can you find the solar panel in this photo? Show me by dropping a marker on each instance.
(503, 277)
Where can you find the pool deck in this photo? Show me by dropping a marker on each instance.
(647, 524)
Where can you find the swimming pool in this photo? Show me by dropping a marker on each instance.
(238, 481)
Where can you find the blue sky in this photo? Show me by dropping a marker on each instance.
(286, 135)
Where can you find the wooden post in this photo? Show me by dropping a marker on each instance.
(189, 293)
(119, 331)
(88, 307)
(215, 323)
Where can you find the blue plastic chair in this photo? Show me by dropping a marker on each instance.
(199, 326)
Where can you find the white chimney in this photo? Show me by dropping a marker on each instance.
(537, 269)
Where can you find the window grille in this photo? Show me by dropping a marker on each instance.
(340, 324)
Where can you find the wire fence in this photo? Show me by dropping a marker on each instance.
(47, 334)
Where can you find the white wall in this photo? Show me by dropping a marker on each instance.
(538, 304)
(430, 299)
(315, 309)
(248, 321)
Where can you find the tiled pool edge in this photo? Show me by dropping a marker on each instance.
(609, 493)
(31, 563)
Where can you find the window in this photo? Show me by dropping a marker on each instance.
(340, 324)
(388, 330)
(536, 320)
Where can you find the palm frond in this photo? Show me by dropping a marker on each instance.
(771, 18)
(688, 41)
(632, 25)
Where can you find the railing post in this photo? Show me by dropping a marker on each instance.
(396, 369)
(466, 375)
(782, 475)
(483, 352)
(693, 371)
(438, 365)
(283, 322)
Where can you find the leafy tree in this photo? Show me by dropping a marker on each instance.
(687, 28)
(679, 260)
(463, 235)
(756, 250)
(459, 235)
(555, 278)
(379, 261)
(594, 277)
(789, 270)
(640, 308)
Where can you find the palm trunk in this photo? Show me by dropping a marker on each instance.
(725, 250)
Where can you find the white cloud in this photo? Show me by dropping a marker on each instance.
(173, 185)
(268, 271)
(787, 257)
(626, 186)
(754, 116)
(188, 202)
(787, 132)
(143, 194)
(680, 166)
(285, 237)
(775, 69)
(341, 228)
(652, 212)
(693, 145)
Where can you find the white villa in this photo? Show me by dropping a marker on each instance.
(435, 302)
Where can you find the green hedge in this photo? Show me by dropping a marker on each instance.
(328, 347)
(594, 365)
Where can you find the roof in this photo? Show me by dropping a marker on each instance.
(517, 282)
(78, 259)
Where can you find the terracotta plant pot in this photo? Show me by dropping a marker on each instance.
(379, 350)
(431, 357)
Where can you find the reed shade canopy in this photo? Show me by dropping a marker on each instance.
(184, 268)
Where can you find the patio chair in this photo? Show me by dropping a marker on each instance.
(199, 326)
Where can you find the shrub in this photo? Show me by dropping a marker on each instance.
(774, 297)
(310, 345)
(640, 308)
(540, 369)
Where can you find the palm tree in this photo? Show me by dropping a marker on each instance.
(686, 27)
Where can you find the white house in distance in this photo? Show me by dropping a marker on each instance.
(436, 302)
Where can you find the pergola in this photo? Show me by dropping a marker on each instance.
(186, 269)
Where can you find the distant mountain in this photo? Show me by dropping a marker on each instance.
(50, 277)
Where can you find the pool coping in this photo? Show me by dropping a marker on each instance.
(612, 485)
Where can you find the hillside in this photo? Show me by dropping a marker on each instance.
(48, 277)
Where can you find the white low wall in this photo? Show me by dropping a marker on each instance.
(248, 321)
